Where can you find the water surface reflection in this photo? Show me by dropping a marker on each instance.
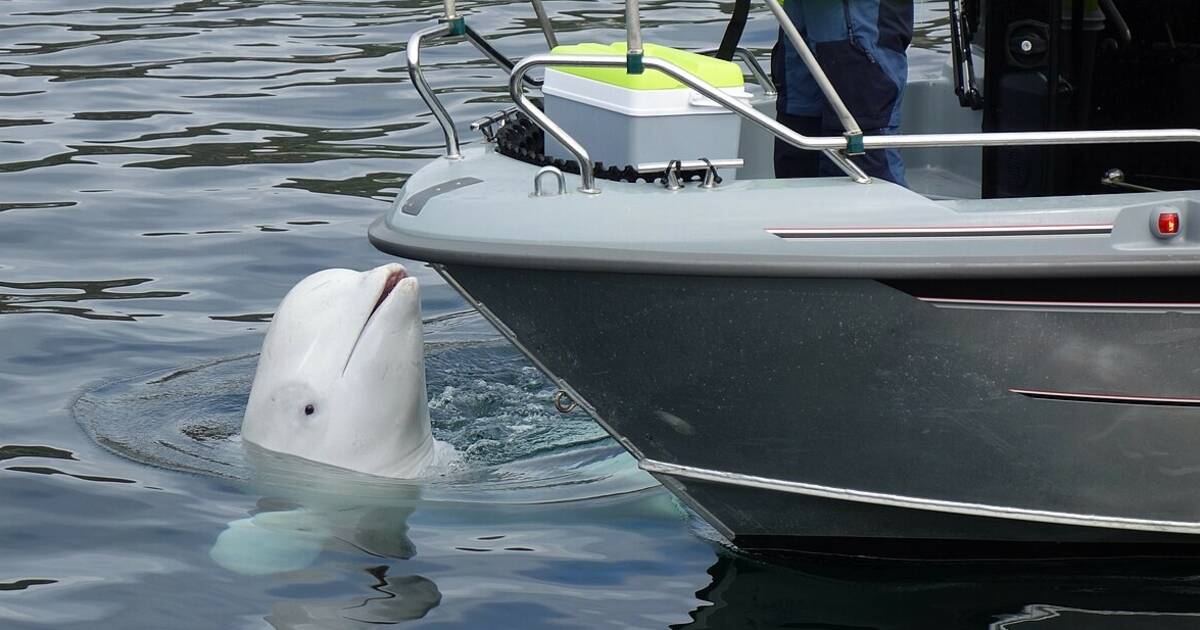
(1158, 593)
(168, 169)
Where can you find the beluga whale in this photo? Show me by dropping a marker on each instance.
(341, 376)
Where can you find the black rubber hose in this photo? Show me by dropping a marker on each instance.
(1119, 24)
(734, 30)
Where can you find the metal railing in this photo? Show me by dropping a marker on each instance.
(756, 70)
(544, 22)
(833, 147)
(633, 28)
(413, 56)
(455, 25)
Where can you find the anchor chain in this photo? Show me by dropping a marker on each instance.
(521, 139)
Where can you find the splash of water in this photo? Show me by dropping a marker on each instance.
(486, 400)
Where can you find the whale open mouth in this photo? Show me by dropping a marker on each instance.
(393, 279)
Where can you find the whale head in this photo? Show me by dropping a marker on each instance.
(341, 377)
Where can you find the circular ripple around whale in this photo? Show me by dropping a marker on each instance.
(485, 399)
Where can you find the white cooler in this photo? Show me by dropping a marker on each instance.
(625, 119)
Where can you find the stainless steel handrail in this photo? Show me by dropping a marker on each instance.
(756, 70)
(413, 55)
(830, 145)
(633, 28)
(588, 184)
(688, 165)
(544, 21)
(1028, 138)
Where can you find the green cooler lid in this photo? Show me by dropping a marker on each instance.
(716, 72)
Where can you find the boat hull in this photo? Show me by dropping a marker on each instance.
(812, 360)
(792, 412)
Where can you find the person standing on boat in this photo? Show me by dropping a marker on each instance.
(862, 47)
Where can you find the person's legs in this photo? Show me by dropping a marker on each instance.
(799, 103)
(791, 161)
(861, 46)
(870, 71)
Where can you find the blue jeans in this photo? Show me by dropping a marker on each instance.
(861, 45)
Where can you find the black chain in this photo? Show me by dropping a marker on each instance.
(521, 139)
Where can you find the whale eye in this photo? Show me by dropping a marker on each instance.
(309, 409)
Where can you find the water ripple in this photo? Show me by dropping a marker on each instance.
(48, 297)
(20, 585)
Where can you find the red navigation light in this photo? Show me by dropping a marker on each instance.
(1168, 223)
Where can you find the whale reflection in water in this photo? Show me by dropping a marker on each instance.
(307, 510)
(400, 598)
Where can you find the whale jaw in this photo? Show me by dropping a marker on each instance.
(341, 377)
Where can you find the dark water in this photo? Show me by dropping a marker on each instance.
(167, 171)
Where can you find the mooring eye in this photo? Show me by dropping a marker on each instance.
(309, 409)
